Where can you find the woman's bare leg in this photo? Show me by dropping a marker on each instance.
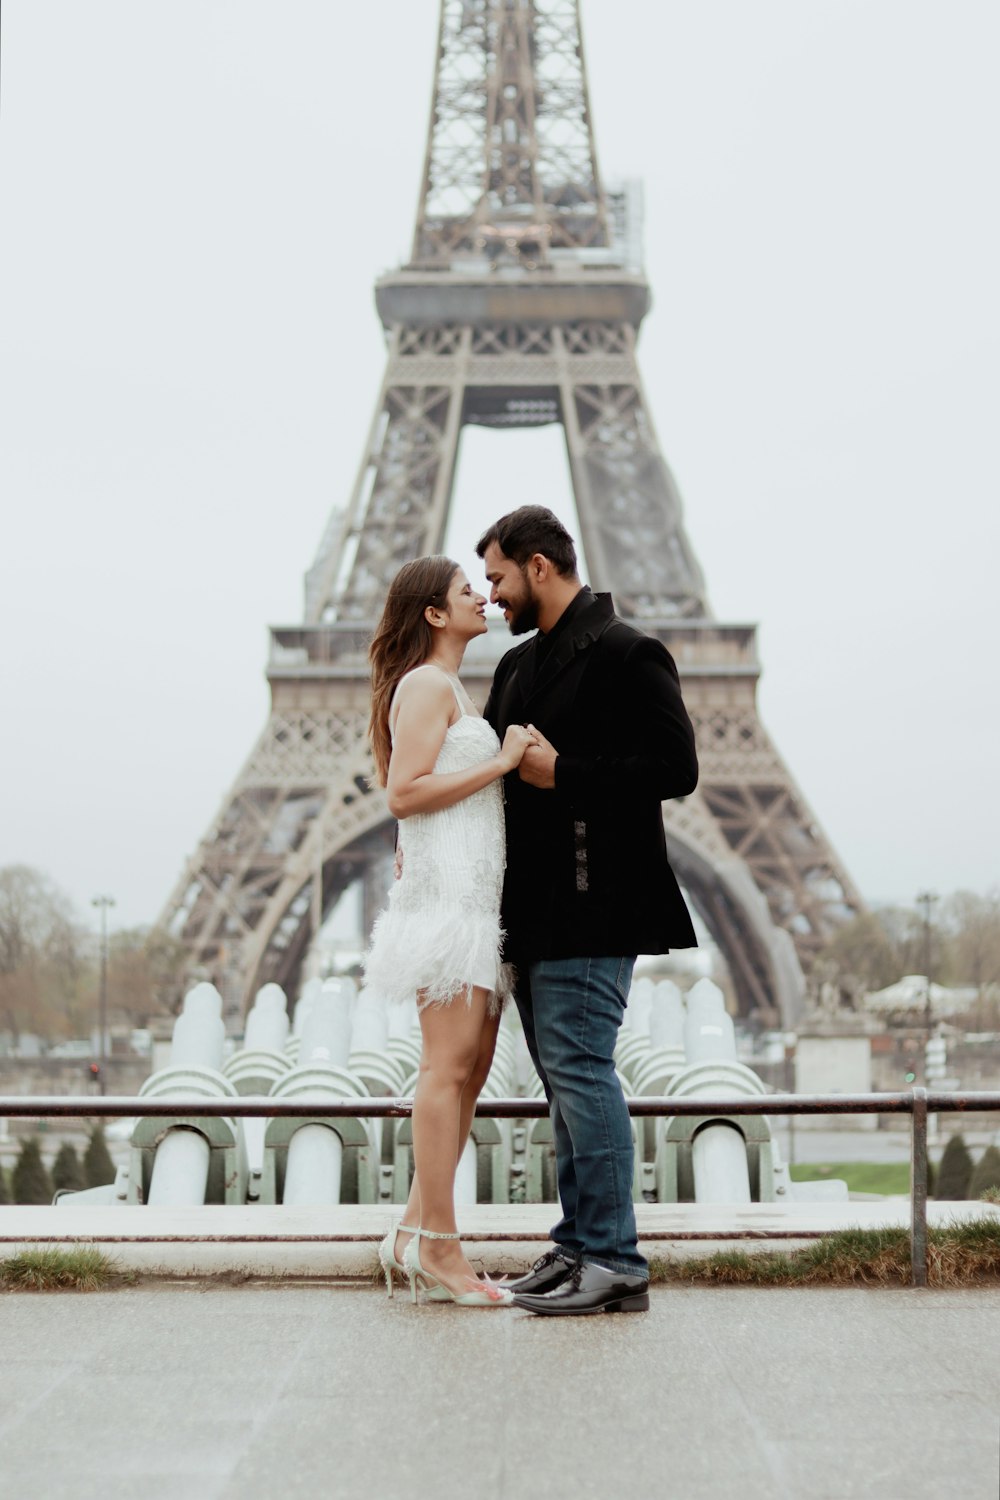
(452, 1036)
(470, 1094)
(411, 1216)
(477, 1078)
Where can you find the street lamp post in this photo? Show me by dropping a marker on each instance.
(103, 903)
(926, 900)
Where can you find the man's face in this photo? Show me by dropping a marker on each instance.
(511, 588)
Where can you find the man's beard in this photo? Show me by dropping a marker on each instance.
(524, 616)
(523, 611)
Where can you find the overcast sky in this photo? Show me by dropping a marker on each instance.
(196, 199)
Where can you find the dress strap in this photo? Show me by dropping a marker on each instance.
(423, 667)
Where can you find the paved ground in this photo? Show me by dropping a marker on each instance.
(175, 1392)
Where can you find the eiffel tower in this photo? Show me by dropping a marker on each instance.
(521, 305)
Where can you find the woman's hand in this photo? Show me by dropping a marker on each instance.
(515, 742)
(426, 706)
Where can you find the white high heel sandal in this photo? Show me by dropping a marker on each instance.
(486, 1293)
(387, 1253)
(389, 1263)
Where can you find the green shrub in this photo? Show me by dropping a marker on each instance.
(31, 1182)
(955, 1170)
(986, 1173)
(4, 1190)
(67, 1173)
(98, 1168)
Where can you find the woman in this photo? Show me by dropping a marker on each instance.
(439, 937)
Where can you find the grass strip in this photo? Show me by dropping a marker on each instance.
(960, 1255)
(889, 1177)
(81, 1269)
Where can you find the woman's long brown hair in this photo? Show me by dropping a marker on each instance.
(402, 641)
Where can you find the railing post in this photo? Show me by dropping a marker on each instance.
(918, 1189)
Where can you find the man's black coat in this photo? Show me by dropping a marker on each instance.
(587, 870)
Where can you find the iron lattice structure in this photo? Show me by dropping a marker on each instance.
(521, 305)
(510, 144)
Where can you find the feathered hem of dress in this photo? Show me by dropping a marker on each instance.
(433, 961)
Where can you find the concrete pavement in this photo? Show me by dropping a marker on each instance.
(188, 1392)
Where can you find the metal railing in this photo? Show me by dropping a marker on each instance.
(918, 1103)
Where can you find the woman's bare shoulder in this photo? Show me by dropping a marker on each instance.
(426, 688)
(425, 681)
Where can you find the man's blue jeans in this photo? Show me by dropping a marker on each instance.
(571, 1009)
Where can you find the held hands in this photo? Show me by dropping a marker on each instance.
(515, 742)
(538, 763)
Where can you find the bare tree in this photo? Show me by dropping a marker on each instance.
(877, 948)
(146, 968)
(41, 955)
(859, 958)
(906, 931)
(972, 923)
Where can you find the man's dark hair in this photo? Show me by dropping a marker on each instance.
(531, 529)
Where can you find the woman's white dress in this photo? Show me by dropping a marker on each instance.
(440, 932)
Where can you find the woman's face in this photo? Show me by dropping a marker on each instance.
(466, 608)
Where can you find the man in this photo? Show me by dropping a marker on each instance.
(588, 885)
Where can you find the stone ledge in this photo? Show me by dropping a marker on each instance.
(340, 1241)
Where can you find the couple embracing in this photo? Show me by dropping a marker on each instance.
(533, 866)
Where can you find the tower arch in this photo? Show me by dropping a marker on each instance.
(521, 304)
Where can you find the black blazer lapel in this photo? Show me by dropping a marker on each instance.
(583, 632)
(524, 671)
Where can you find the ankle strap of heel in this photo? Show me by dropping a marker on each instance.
(435, 1234)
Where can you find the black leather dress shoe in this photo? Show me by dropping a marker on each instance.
(589, 1289)
(546, 1274)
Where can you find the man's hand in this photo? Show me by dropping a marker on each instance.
(538, 763)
